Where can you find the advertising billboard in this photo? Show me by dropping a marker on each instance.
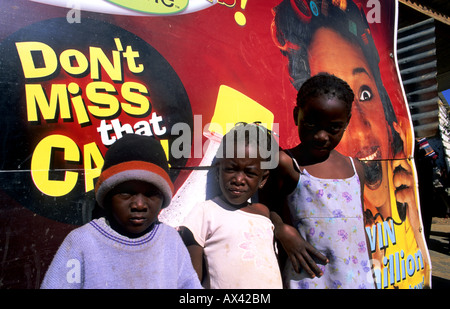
(75, 76)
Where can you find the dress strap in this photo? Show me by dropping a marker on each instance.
(353, 165)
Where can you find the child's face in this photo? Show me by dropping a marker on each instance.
(321, 124)
(240, 178)
(135, 205)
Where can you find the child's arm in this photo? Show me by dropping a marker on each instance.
(195, 250)
(300, 252)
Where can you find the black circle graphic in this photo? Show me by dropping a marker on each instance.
(18, 136)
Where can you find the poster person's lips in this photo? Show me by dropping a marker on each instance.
(370, 159)
(373, 173)
(369, 153)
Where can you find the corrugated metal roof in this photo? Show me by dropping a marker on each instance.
(413, 11)
(437, 9)
(416, 53)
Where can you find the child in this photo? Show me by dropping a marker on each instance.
(229, 238)
(128, 247)
(324, 191)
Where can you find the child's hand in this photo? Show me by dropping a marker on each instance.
(300, 252)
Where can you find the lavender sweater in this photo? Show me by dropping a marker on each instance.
(94, 256)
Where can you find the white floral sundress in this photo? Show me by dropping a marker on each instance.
(328, 214)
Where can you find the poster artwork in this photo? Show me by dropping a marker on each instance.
(75, 76)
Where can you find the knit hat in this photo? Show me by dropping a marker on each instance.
(135, 157)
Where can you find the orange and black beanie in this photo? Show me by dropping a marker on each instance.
(135, 157)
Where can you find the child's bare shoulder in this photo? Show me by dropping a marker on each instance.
(285, 162)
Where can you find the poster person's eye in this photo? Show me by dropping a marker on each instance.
(365, 94)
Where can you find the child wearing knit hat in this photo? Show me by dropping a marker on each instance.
(128, 247)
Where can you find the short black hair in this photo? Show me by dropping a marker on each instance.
(326, 84)
(245, 134)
